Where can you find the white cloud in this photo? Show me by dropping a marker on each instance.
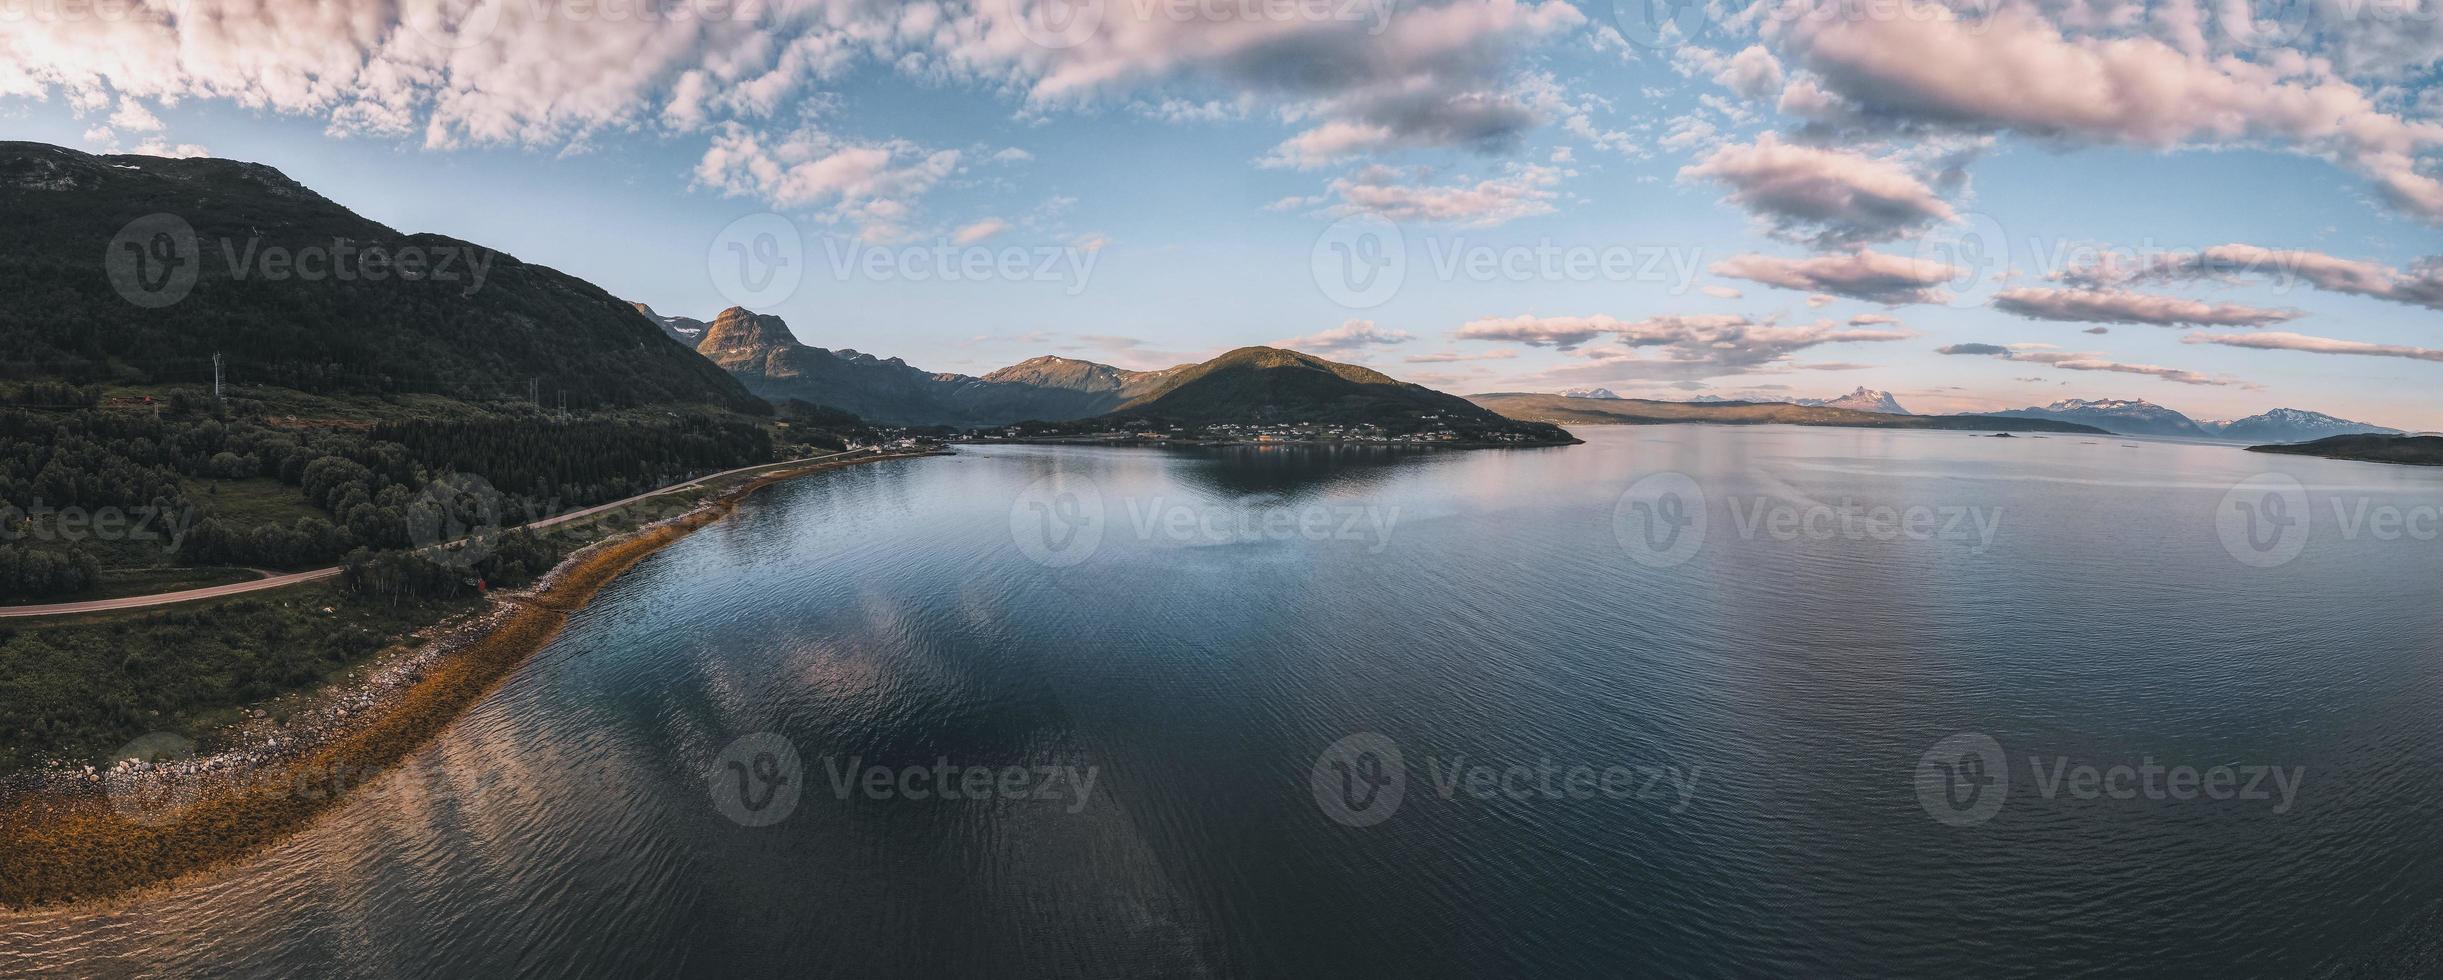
(1349, 336)
(1823, 196)
(2123, 306)
(1872, 276)
(1522, 191)
(979, 231)
(871, 185)
(2277, 340)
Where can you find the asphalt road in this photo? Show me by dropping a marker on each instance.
(296, 578)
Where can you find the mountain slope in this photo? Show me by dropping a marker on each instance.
(286, 287)
(2291, 425)
(1259, 385)
(2130, 417)
(1639, 411)
(1865, 400)
(762, 352)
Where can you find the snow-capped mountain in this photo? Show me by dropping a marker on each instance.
(2127, 416)
(2290, 425)
(1862, 400)
(685, 330)
(1590, 393)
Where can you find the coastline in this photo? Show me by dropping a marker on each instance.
(91, 839)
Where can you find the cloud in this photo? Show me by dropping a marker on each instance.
(1722, 292)
(1523, 190)
(873, 185)
(1439, 74)
(1872, 276)
(1692, 345)
(1452, 357)
(2122, 306)
(2419, 285)
(1349, 336)
(1753, 72)
(979, 231)
(1824, 197)
(2067, 361)
(2277, 340)
(1926, 66)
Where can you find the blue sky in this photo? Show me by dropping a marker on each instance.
(1800, 199)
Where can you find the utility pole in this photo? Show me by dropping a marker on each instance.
(216, 378)
(534, 392)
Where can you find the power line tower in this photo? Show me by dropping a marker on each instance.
(534, 392)
(216, 378)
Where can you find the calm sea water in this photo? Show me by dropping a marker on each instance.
(1682, 700)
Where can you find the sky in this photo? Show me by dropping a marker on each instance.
(2221, 206)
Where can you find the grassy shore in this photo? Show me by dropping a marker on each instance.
(94, 839)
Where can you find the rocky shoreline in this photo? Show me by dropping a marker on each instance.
(77, 834)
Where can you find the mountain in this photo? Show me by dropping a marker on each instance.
(141, 269)
(1865, 400)
(1589, 393)
(1268, 385)
(1639, 411)
(762, 352)
(2370, 448)
(1862, 400)
(2129, 417)
(2291, 425)
(685, 330)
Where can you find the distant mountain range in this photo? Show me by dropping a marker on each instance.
(1639, 411)
(1253, 385)
(2139, 417)
(236, 259)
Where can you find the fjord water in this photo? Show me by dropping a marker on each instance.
(1195, 628)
